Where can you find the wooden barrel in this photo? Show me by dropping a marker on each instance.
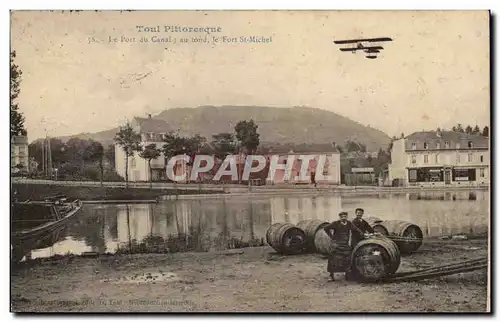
(285, 238)
(375, 258)
(406, 235)
(310, 228)
(377, 225)
(372, 220)
(323, 244)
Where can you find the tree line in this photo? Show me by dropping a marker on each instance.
(76, 159)
(16, 117)
(470, 130)
(244, 139)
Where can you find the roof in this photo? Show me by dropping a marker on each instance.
(432, 138)
(151, 125)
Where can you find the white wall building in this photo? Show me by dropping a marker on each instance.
(440, 158)
(152, 131)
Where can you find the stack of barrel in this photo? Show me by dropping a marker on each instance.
(372, 259)
(407, 236)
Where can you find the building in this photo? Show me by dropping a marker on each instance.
(19, 158)
(152, 131)
(440, 158)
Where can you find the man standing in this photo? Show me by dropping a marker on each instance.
(340, 232)
(362, 225)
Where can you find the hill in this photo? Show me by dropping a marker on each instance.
(298, 125)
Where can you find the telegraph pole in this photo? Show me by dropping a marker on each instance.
(43, 157)
(49, 158)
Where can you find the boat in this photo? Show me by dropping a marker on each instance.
(31, 219)
(24, 248)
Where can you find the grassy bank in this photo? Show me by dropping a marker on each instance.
(39, 191)
(251, 279)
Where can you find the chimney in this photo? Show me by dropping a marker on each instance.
(438, 133)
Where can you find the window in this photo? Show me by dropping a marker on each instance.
(457, 145)
(132, 162)
(470, 145)
(437, 158)
(458, 157)
(426, 158)
(414, 146)
(446, 145)
(413, 159)
(163, 136)
(481, 173)
(438, 145)
(469, 157)
(426, 146)
(481, 158)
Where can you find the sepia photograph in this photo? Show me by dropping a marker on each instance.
(250, 161)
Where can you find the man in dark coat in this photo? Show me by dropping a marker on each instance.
(362, 225)
(341, 233)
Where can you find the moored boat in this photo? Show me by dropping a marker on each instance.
(30, 219)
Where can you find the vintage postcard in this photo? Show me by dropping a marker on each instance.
(250, 161)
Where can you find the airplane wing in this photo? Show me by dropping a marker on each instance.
(353, 41)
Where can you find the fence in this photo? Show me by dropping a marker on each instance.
(360, 179)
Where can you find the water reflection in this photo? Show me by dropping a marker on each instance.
(235, 222)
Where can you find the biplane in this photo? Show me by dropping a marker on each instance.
(368, 46)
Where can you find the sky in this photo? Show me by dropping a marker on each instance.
(435, 72)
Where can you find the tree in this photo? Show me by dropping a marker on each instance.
(353, 146)
(77, 150)
(196, 143)
(223, 144)
(247, 135)
(16, 117)
(95, 153)
(369, 160)
(468, 129)
(402, 135)
(109, 154)
(129, 141)
(178, 145)
(476, 130)
(486, 131)
(460, 128)
(150, 152)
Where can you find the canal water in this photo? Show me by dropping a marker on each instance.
(235, 222)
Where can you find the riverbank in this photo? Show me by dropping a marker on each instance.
(89, 193)
(242, 280)
(35, 189)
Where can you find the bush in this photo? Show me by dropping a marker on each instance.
(112, 176)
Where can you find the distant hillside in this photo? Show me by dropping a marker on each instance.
(299, 125)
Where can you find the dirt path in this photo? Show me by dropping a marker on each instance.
(252, 279)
